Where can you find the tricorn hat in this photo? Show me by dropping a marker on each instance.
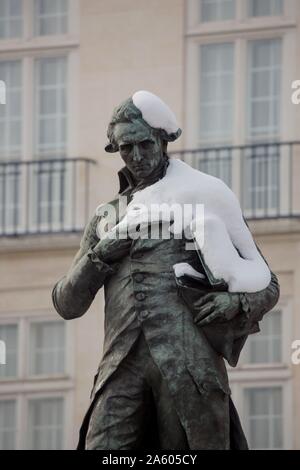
(155, 113)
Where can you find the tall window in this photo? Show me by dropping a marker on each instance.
(51, 106)
(46, 424)
(7, 424)
(47, 355)
(47, 348)
(51, 17)
(263, 422)
(265, 7)
(264, 100)
(265, 346)
(11, 19)
(216, 92)
(9, 334)
(33, 418)
(217, 10)
(264, 88)
(11, 112)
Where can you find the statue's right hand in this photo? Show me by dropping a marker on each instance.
(110, 250)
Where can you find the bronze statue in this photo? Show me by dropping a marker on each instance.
(162, 381)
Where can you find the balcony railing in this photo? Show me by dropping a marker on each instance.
(264, 176)
(44, 196)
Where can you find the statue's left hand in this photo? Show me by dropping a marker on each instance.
(217, 307)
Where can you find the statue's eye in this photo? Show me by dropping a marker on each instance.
(146, 144)
(126, 148)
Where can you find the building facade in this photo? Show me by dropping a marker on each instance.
(226, 68)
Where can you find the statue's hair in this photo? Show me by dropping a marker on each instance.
(127, 112)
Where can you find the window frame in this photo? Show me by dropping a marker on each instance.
(222, 20)
(287, 409)
(23, 351)
(25, 387)
(22, 413)
(21, 24)
(9, 398)
(28, 39)
(285, 306)
(28, 365)
(240, 33)
(8, 321)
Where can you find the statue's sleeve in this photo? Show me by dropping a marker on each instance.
(255, 305)
(73, 294)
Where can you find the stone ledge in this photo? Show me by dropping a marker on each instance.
(39, 242)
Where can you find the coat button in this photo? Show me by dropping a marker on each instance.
(140, 296)
(143, 314)
(138, 277)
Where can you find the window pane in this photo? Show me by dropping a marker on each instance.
(7, 425)
(10, 143)
(216, 107)
(47, 347)
(265, 7)
(11, 113)
(265, 346)
(10, 19)
(264, 88)
(264, 417)
(51, 17)
(46, 424)
(51, 106)
(9, 334)
(217, 10)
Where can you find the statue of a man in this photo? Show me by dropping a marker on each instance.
(162, 381)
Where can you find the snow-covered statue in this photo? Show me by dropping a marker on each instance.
(226, 245)
(172, 313)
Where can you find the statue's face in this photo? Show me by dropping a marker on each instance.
(140, 148)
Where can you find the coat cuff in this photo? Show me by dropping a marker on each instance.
(103, 267)
(245, 305)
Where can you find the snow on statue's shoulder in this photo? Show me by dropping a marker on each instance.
(229, 250)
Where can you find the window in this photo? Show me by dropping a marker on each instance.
(11, 113)
(46, 424)
(264, 417)
(51, 139)
(265, 7)
(47, 354)
(265, 346)
(264, 88)
(10, 19)
(9, 334)
(51, 17)
(216, 107)
(7, 425)
(217, 10)
(264, 99)
(36, 389)
(47, 351)
(51, 106)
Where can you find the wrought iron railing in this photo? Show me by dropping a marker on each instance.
(44, 196)
(264, 176)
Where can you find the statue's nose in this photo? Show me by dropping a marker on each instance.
(136, 153)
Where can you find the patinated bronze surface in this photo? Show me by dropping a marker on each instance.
(162, 381)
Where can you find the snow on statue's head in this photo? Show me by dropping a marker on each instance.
(144, 109)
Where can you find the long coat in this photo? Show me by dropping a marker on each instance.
(141, 293)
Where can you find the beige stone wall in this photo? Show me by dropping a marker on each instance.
(125, 47)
